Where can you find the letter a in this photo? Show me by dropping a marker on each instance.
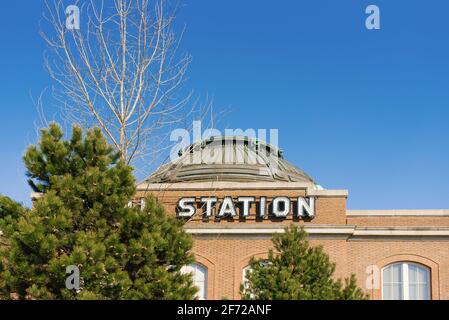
(72, 281)
(72, 21)
(373, 20)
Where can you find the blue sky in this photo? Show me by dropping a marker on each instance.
(362, 110)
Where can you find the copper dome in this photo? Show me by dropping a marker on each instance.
(239, 159)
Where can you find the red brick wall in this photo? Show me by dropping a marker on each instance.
(226, 255)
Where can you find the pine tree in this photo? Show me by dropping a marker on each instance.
(84, 220)
(9, 207)
(296, 271)
(9, 211)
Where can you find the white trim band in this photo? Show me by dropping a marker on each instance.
(225, 185)
(350, 231)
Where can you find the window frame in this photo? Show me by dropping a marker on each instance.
(405, 278)
(248, 268)
(199, 266)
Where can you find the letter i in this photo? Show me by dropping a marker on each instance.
(263, 207)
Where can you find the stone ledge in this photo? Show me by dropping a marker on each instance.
(225, 185)
(349, 230)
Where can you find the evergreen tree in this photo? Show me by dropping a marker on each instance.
(84, 220)
(9, 211)
(9, 207)
(297, 271)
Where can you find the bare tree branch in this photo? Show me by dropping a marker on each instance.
(121, 71)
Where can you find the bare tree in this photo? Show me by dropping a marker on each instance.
(120, 70)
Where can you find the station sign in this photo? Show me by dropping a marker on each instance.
(230, 207)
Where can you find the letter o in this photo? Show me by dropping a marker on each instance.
(277, 211)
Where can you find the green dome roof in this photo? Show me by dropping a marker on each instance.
(239, 159)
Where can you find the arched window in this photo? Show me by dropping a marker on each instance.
(245, 281)
(199, 276)
(248, 269)
(405, 281)
(244, 273)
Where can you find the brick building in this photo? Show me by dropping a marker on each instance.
(234, 193)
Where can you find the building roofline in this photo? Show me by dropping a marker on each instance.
(399, 213)
(310, 188)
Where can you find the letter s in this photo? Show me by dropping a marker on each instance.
(186, 208)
